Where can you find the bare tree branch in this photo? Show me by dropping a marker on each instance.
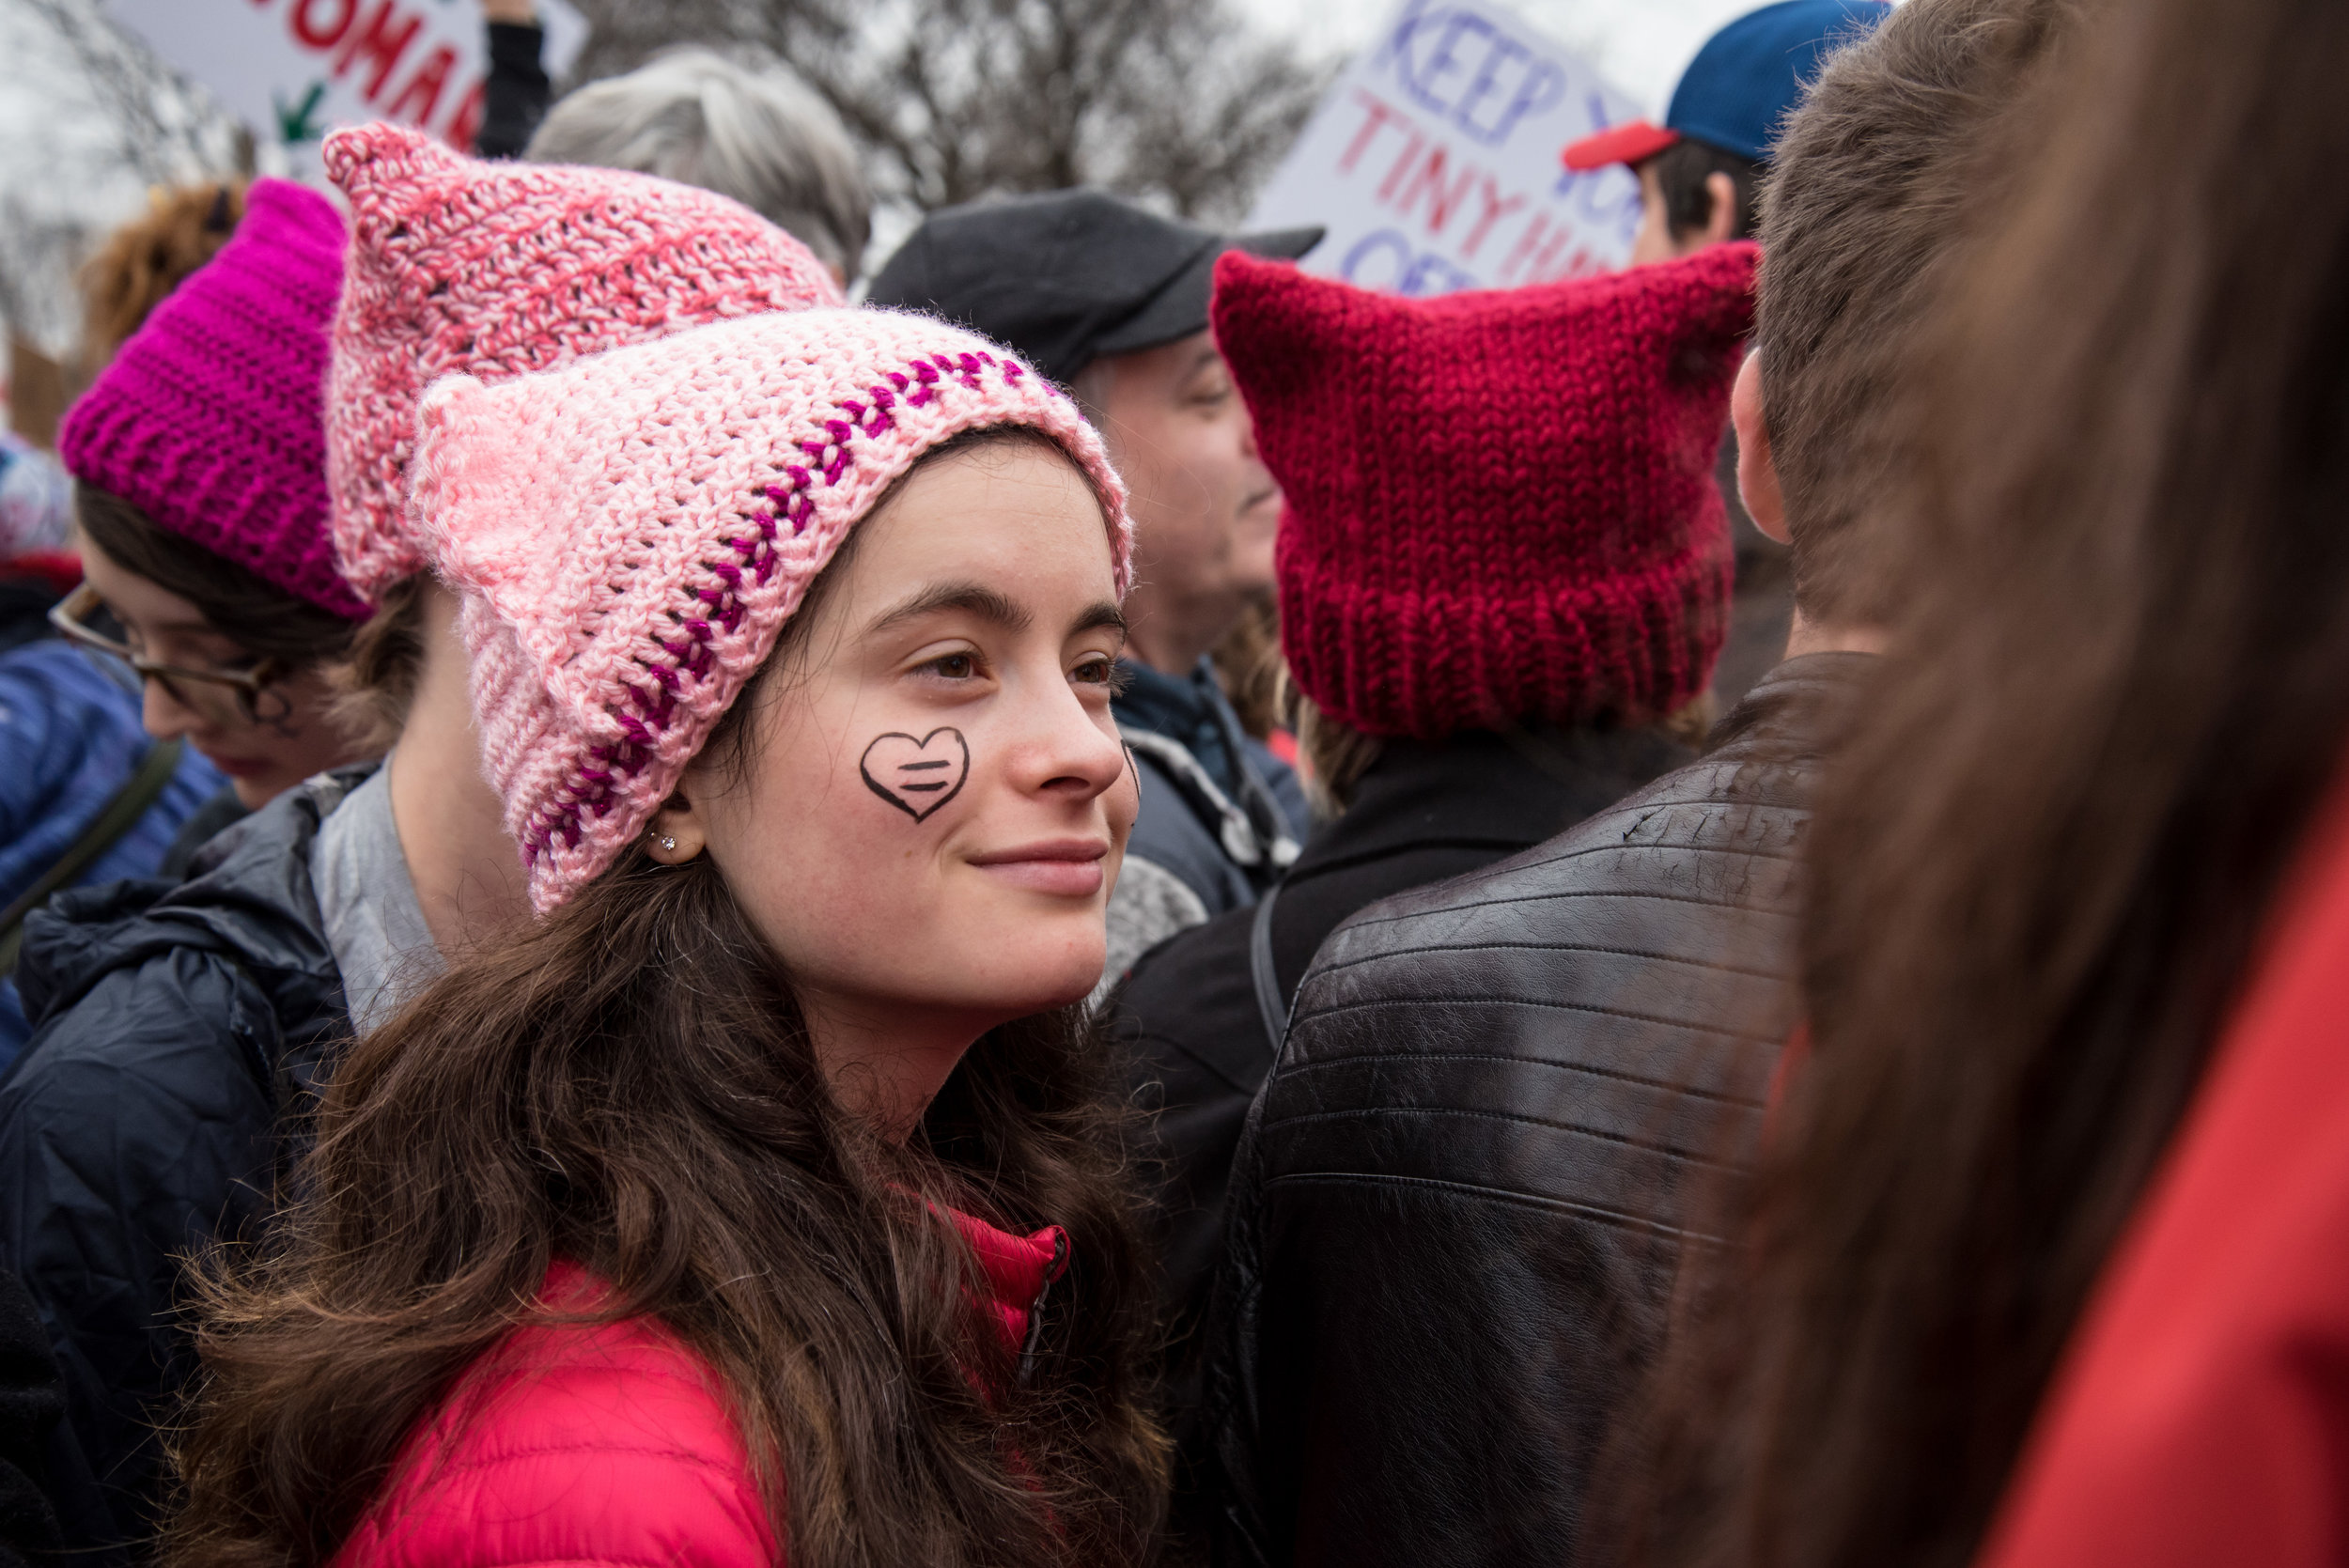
(1173, 101)
(108, 118)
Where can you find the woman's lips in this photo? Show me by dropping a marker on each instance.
(1069, 867)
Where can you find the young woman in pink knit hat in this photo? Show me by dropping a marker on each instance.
(182, 1046)
(199, 459)
(755, 1200)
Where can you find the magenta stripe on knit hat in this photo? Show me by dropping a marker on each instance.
(631, 534)
(496, 269)
(211, 418)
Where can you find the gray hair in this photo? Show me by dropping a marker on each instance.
(760, 136)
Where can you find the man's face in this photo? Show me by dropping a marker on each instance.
(1204, 506)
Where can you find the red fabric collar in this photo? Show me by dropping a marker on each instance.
(1017, 1268)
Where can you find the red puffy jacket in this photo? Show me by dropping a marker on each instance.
(583, 1445)
(2202, 1414)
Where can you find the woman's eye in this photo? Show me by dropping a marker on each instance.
(955, 666)
(1097, 671)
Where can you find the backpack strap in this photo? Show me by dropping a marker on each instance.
(121, 810)
(1269, 1007)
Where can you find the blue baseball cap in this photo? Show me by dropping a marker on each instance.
(1738, 90)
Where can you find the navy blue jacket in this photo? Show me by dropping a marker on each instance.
(179, 1028)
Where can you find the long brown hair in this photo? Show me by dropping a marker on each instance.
(2038, 874)
(629, 1084)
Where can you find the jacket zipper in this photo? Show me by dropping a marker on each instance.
(1035, 1308)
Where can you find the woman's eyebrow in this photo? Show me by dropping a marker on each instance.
(1103, 612)
(974, 599)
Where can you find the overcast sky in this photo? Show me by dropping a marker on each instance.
(1641, 45)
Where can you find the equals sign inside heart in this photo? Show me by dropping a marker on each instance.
(935, 768)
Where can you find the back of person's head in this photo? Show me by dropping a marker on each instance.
(1876, 175)
(2040, 874)
(759, 135)
(1722, 124)
(144, 261)
(1683, 178)
(1498, 508)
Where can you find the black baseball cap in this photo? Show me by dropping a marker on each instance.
(1067, 277)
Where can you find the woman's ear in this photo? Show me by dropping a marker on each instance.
(677, 833)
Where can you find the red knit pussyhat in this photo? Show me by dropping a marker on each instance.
(1499, 507)
(499, 268)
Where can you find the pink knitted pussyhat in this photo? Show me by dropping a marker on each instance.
(211, 421)
(499, 268)
(631, 532)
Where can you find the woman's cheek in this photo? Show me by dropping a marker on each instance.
(919, 774)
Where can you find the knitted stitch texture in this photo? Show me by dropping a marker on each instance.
(212, 419)
(498, 269)
(631, 531)
(1499, 507)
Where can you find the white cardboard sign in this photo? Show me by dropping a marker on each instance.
(294, 69)
(1432, 162)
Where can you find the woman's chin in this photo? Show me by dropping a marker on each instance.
(254, 793)
(1064, 979)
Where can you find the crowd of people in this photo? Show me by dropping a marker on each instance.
(652, 917)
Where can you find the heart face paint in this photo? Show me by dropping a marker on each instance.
(978, 913)
(913, 777)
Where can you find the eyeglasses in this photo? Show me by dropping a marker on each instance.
(216, 693)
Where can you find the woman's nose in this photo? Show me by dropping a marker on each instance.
(163, 715)
(1075, 755)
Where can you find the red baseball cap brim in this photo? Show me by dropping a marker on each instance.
(1632, 142)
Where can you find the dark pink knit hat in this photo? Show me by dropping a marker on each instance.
(212, 419)
(1499, 507)
(498, 269)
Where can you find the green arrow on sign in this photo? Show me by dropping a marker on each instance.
(295, 124)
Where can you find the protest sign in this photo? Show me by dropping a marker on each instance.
(1432, 162)
(294, 69)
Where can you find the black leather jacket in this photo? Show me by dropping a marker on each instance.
(150, 1115)
(1454, 1217)
(1189, 1026)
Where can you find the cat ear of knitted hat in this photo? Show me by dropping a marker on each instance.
(494, 270)
(631, 532)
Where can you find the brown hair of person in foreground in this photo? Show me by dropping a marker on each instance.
(2120, 686)
(548, 1098)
